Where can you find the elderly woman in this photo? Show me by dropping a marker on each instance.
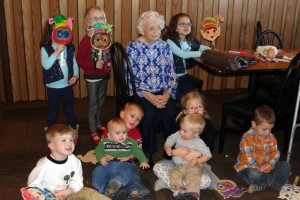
(152, 63)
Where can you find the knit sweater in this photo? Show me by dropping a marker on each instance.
(117, 150)
(84, 61)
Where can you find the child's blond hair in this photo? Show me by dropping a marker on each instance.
(129, 105)
(188, 96)
(264, 113)
(115, 122)
(195, 121)
(58, 130)
(86, 14)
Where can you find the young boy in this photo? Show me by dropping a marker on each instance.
(257, 163)
(132, 114)
(61, 172)
(191, 126)
(114, 154)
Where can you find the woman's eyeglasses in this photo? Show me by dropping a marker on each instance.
(96, 18)
(192, 108)
(185, 24)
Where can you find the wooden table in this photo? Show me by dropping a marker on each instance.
(253, 70)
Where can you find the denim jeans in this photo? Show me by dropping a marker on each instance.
(125, 173)
(276, 178)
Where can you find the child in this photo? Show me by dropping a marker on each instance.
(96, 73)
(184, 47)
(191, 102)
(191, 126)
(60, 68)
(257, 163)
(113, 153)
(61, 172)
(132, 114)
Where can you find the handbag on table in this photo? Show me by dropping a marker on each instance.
(226, 60)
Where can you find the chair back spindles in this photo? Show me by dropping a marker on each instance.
(269, 37)
(124, 80)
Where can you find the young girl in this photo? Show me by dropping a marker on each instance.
(60, 69)
(191, 102)
(96, 73)
(184, 47)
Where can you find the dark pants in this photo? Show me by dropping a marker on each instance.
(151, 120)
(184, 86)
(55, 95)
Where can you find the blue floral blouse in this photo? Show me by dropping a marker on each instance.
(153, 67)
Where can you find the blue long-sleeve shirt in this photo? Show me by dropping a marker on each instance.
(184, 52)
(48, 61)
(153, 67)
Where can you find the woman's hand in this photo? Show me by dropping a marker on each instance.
(159, 101)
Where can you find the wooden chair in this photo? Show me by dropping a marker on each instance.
(268, 37)
(242, 107)
(124, 80)
(258, 30)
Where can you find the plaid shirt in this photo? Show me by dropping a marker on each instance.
(255, 153)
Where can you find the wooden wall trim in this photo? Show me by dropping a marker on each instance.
(5, 76)
(25, 23)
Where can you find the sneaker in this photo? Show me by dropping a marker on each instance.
(256, 188)
(119, 194)
(180, 190)
(191, 196)
(158, 185)
(95, 138)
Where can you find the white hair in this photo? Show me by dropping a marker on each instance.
(148, 16)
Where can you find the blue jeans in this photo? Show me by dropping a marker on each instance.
(55, 95)
(125, 173)
(276, 178)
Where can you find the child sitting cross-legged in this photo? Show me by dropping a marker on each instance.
(60, 172)
(258, 161)
(191, 126)
(114, 154)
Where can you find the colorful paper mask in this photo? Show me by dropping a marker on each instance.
(62, 30)
(289, 192)
(228, 188)
(35, 193)
(210, 29)
(101, 40)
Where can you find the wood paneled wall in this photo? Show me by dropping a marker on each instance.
(25, 21)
